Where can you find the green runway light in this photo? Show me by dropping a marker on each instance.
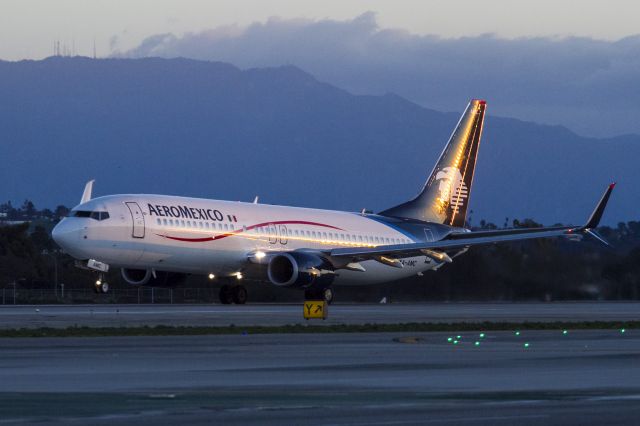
(517, 333)
(565, 332)
(477, 343)
(458, 337)
(622, 330)
(482, 335)
(455, 342)
(526, 345)
(449, 339)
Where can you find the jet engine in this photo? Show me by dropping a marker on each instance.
(146, 277)
(299, 269)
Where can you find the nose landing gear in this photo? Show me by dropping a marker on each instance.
(101, 286)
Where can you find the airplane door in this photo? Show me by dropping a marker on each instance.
(428, 235)
(273, 233)
(138, 219)
(283, 234)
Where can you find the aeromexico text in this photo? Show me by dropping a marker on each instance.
(186, 212)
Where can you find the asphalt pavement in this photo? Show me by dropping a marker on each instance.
(530, 378)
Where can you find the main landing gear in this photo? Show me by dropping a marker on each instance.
(325, 294)
(233, 294)
(101, 286)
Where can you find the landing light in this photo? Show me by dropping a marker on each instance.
(239, 275)
(99, 282)
(260, 255)
(211, 276)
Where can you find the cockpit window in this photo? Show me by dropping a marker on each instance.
(97, 215)
(80, 213)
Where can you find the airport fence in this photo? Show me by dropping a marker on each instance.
(141, 295)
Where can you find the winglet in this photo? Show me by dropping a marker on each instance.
(595, 217)
(86, 194)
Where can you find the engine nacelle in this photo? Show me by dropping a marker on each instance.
(299, 269)
(145, 277)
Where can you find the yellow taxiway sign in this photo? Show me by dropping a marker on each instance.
(315, 309)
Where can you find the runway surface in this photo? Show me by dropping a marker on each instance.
(582, 377)
(271, 315)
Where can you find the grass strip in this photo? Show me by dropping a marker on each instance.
(164, 330)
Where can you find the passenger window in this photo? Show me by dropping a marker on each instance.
(226, 227)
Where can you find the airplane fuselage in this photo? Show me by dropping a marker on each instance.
(199, 236)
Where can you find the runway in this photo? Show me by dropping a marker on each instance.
(324, 379)
(63, 316)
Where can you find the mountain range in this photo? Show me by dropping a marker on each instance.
(210, 129)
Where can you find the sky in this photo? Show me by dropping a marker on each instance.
(569, 63)
(29, 27)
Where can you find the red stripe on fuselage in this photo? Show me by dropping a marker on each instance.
(248, 228)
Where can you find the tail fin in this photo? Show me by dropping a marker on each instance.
(445, 196)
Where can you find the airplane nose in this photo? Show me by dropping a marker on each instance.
(64, 234)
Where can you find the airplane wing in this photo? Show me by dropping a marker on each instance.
(461, 240)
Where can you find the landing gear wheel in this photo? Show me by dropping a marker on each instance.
(104, 288)
(226, 297)
(239, 295)
(327, 294)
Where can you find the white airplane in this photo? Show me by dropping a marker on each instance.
(158, 239)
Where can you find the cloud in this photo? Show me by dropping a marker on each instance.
(588, 85)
